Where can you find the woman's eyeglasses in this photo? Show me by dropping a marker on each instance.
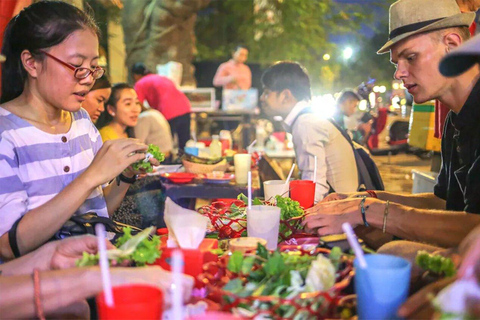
(79, 72)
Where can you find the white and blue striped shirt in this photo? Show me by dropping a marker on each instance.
(35, 166)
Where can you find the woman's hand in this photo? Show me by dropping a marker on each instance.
(153, 275)
(69, 250)
(327, 217)
(113, 158)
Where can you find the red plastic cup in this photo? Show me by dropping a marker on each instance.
(193, 262)
(132, 302)
(303, 191)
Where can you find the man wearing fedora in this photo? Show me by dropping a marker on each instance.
(422, 32)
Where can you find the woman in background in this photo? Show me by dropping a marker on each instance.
(153, 128)
(96, 98)
(123, 109)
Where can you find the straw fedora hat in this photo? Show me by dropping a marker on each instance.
(462, 58)
(410, 17)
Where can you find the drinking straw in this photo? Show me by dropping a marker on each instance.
(249, 148)
(315, 171)
(177, 271)
(290, 174)
(194, 136)
(104, 267)
(352, 240)
(249, 191)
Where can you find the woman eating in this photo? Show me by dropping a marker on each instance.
(52, 162)
(123, 109)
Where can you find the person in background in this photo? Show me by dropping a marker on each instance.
(287, 93)
(62, 287)
(162, 95)
(347, 104)
(96, 98)
(153, 128)
(444, 217)
(234, 74)
(52, 161)
(123, 109)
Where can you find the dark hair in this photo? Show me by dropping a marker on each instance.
(288, 75)
(42, 25)
(348, 94)
(140, 68)
(102, 83)
(105, 118)
(240, 46)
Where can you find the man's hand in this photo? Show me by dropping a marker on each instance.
(470, 252)
(419, 305)
(69, 250)
(327, 217)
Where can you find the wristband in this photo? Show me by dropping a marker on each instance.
(372, 193)
(362, 211)
(36, 295)
(122, 178)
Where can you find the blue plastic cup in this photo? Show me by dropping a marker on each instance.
(382, 287)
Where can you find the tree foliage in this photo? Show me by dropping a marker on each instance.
(280, 30)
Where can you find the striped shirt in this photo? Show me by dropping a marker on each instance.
(35, 166)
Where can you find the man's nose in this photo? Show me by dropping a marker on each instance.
(400, 73)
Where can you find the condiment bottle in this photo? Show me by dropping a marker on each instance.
(215, 147)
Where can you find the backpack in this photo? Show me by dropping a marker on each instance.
(368, 175)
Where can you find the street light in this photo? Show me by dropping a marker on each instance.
(326, 57)
(347, 53)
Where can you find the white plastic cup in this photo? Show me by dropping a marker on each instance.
(242, 163)
(274, 188)
(264, 222)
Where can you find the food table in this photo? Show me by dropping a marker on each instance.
(186, 194)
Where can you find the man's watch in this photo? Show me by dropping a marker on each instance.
(125, 179)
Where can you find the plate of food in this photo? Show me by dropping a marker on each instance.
(218, 177)
(164, 168)
(179, 177)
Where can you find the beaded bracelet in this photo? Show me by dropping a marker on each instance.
(362, 211)
(36, 295)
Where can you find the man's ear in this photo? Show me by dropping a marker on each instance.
(286, 96)
(452, 40)
(30, 63)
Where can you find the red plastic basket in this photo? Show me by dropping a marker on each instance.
(229, 228)
(216, 276)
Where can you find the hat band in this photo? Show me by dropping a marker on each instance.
(411, 27)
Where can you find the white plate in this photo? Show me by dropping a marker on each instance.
(165, 168)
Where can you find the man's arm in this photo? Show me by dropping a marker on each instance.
(438, 227)
(419, 200)
(222, 78)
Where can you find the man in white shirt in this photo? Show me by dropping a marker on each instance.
(287, 93)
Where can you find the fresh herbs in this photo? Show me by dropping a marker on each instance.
(145, 165)
(138, 248)
(435, 263)
(279, 274)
